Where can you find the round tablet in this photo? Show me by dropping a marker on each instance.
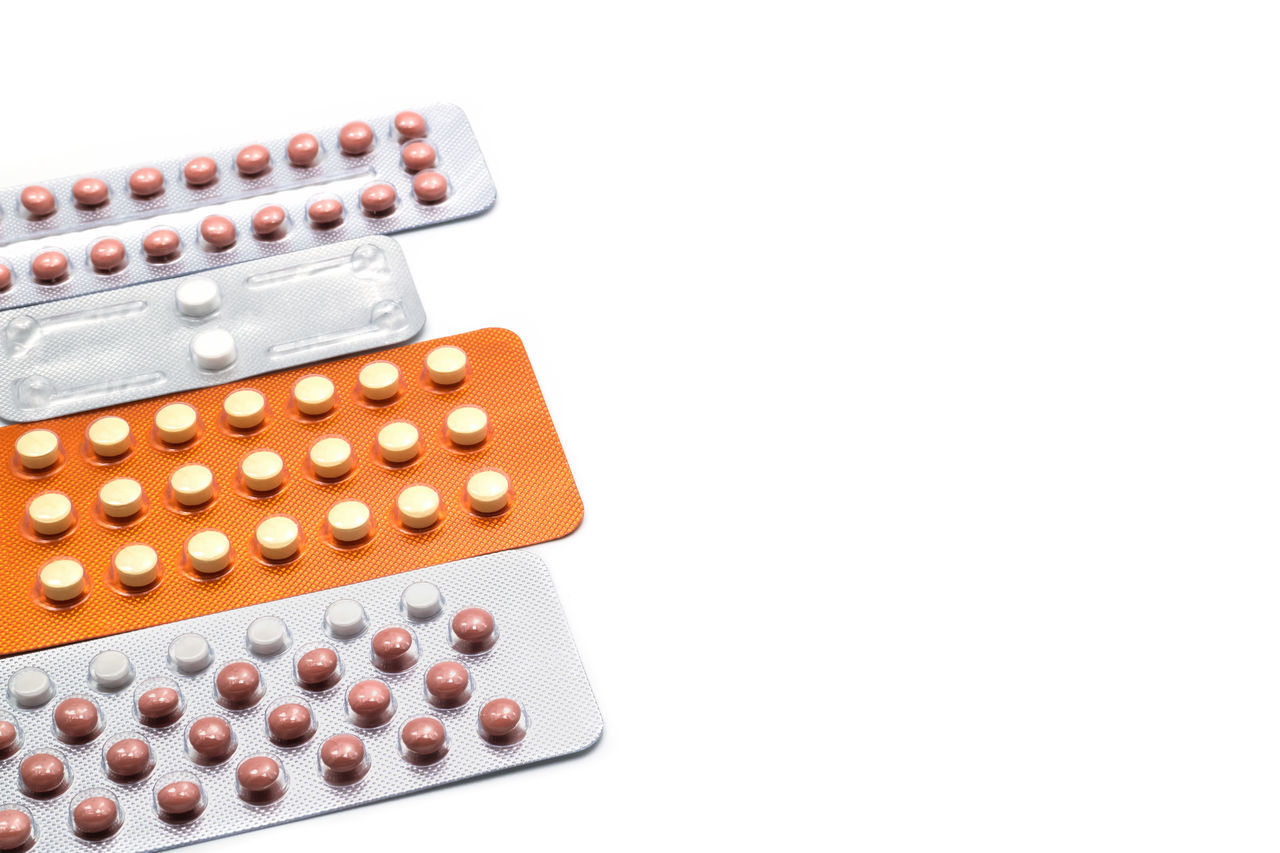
(393, 649)
(410, 125)
(6, 277)
(417, 156)
(107, 255)
(121, 498)
(448, 684)
(95, 816)
(161, 243)
(370, 703)
(487, 491)
(62, 580)
(110, 670)
(213, 349)
(423, 736)
(331, 457)
(260, 780)
(253, 160)
(179, 799)
(239, 685)
(379, 198)
(15, 829)
(30, 687)
(198, 297)
(467, 426)
(421, 601)
(289, 722)
(10, 739)
(209, 552)
(38, 449)
(343, 760)
(109, 437)
(345, 618)
(76, 719)
(90, 192)
(447, 365)
(303, 149)
(218, 231)
(190, 653)
(501, 719)
(278, 537)
(326, 211)
(192, 485)
(146, 182)
(50, 514)
(200, 171)
(177, 423)
(211, 739)
(317, 668)
(398, 442)
(42, 773)
(313, 395)
(267, 636)
(474, 626)
(349, 521)
(245, 409)
(355, 138)
(430, 187)
(137, 565)
(262, 471)
(159, 705)
(419, 507)
(379, 380)
(49, 266)
(128, 758)
(268, 220)
(38, 201)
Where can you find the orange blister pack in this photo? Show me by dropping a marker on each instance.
(284, 484)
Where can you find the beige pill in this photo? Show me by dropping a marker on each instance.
(379, 380)
(349, 521)
(245, 409)
(109, 437)
(467, 425)
(209, 551)
(62, 580)
(447, 365)
(121, 498)
(137, 565)
(331, 457)
(192, 485)
(278, 537)
(488, 491)
(263, 471)
(419, 506)
(37, 449)
(50, 513)
(313, 395)
(176, 423)
(398, 442)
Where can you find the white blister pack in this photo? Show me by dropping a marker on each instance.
(193, 331)
(118, 227)
(259, 716)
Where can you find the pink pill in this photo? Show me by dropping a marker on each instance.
(76, 719)
(9, 739)
(326, 211)
(448, 684)
(410, 125)
(38, 201)
(260, 780)
(218, 231)
(90, 192)
(393, 650)
(370, 703)
(146, 182)
(343, 760)
(422, 737)
(95, 815)
(48, 267)
(417, 156)
(42, 773)
(6, 277)
(303, 149)
(268, 220)
(107, 255)
(289, 723)
(211, 739)
(239, 685)
(128, 758)
(502, 722)
(159, 706)
(430, 187)
(355, 138)
(253, 160)
(200, 171)
(161, 243)
(379, 198)
(15, 829)
(179, 799)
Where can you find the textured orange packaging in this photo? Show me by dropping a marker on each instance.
(47, 600)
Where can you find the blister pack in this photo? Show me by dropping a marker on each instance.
(77, 235)
(300, 480)
(267, 714)
(222, 325)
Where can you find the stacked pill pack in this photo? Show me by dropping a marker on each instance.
(265, 556)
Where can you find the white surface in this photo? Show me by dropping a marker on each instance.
(110, 670)
(421, 601)
(30, 687)
(190, 653)
(198, 297)
(266, 636)
(214, 349)
(345, 618)
(1019, 262)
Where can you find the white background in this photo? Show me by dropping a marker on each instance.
(917, 363)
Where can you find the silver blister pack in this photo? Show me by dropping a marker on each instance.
(72, 231)
(209, 328)
(531, 670)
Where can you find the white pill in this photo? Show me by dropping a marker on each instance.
(30, 687)
(214, 349)
(345, 618)
(421, 600)
(198, 297)
(267, 636)
(110, 670)
(190, 653)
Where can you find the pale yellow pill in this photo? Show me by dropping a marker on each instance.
(488, 490)
(245, 409)
(379, 380)
(176, 423)
(398, 442)
(50, 513)
(278, 537)
(447, 365)
(313, 395)
(137, 565)
(349, 521)
(467, 425)
(419, 506)
(37, 449)
(192, 485)
(109, 436)
(209, 551)
(121, 498)
(62, 580)
(262, 471)
(331, 457)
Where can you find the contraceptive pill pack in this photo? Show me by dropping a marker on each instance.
(209, 328)
(280, 711)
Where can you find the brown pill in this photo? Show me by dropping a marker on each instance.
(423, 736)
(303, 149)
(318, 668)
(218, 231)
(448, 683)
(259, 779)
(48, 267)
(146, 182)
(6, 277)
(253, 160)
(430, 187)
(238, 684)
(378, 198)
(200, 171)
(9, 740)
(76, 719)
(42, 773)
(15, 829)
(342, 754)
(473, 625)
(128, 758)
(370, 703)
(410, 125)
(268, 220)
(417, 156)
(325, 211)
(159, 704)
(38, 201)
(211, 738)
(179, 798)
(289, 722)
(355, 138)
(107, 255)
(95, 815)
(161, 243)
(500, 718)
(393, 650)
(90, 192)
